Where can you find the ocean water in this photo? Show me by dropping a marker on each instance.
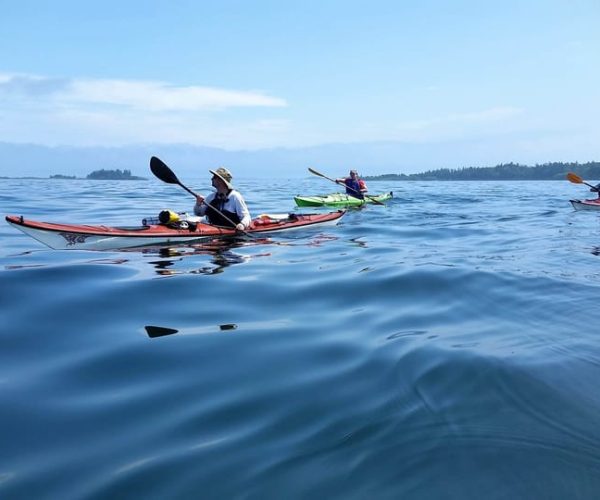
(442, 346)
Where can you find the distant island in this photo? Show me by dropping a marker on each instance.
(114, 175)
(503, 172)
(103, 175)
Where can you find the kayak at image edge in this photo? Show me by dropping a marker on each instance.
(586, 204)
(339, 200)
(93, 237)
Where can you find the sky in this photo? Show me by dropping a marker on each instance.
(519, 76)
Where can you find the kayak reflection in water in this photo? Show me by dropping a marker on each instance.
(226, 207)
(355, 186)
(220, 251)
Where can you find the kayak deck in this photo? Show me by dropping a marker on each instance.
(91, 237)
(340, 200)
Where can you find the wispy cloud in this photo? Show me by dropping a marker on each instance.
(60, 111)
(110, 112)
(159, 96)
(149, 95)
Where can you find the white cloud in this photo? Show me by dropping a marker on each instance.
(113, 112)
(147, 95)
(56, 111)
(160, 96)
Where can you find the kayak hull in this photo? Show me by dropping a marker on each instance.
(339, 200)
(90, 237)
(586, 204)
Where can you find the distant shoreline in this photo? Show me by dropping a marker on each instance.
(96, 175)
(505, 172)
(556, 171)
(54, 178)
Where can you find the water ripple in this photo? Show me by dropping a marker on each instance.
(441, 346)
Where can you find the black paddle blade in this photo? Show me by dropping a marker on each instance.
(162, 171)
(159, 331)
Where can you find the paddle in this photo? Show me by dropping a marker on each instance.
(578, 180)
(161, 170)
(164, 173)
(374, 200)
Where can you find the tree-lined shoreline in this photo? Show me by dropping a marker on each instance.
(504, 172)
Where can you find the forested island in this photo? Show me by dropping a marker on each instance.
(114, 175)
(102, 175)
(502, 172)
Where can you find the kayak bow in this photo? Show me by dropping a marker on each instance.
(586, 204)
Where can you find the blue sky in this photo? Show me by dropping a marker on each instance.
(522, 76)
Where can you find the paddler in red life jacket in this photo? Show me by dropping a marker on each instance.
(354, 185)
(225, 207)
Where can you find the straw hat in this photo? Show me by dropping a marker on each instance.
(223, 174)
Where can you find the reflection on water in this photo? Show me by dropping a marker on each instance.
(220, 251)
(167, 260)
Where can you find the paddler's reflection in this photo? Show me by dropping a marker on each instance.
(220, 251)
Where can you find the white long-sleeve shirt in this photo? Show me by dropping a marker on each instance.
(234, 203)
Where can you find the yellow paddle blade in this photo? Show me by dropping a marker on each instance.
(574, 178)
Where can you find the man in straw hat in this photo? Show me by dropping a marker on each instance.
(225, 207)
(355, 186)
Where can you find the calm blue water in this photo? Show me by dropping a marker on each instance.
(442, 346)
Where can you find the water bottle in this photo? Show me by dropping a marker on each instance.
(150, 221)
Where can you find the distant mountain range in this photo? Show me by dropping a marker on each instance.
(25, 160)
(402, 160)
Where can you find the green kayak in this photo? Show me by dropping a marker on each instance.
(339, 200)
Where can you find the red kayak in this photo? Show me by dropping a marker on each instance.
(88, 237)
